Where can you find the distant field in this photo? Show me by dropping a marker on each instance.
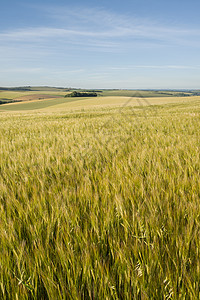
(8, 96)
(100, 201)
(65, 104)
(145, 94)
(13, 94)
(113, 101)
(38, 93)
(32, 105)
(36, 97)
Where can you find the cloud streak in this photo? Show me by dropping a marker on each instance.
(157, 67)
(118, 32)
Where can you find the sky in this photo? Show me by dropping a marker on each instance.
(130, 44)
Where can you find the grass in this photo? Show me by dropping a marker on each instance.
(101, 203)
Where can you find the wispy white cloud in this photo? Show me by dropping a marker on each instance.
(66, 72)
(23, 70)
(118, 32)
(156, 67)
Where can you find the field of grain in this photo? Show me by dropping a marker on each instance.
(100, 203)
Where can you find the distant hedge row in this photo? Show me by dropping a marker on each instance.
(15, 89)
(82, 94)
(6, 101)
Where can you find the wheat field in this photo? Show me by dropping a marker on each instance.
(101, 203)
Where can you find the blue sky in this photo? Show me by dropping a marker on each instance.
(136, 44)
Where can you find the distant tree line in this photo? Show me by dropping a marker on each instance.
(196, 93)
(93, 91)
(15, 89)
(3, 102)
(81, 94)
(6, 101)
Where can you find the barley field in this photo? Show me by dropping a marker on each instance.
(101, 202)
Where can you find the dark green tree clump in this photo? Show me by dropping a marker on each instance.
(82, 94)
